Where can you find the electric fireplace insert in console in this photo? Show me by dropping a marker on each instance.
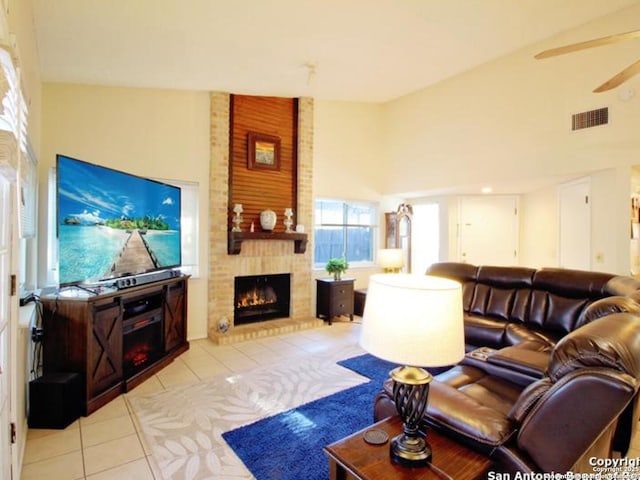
(142, 332)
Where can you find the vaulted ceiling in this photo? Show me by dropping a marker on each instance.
(359, 50)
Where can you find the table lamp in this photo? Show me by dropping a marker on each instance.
(414, 321)
(391, 259)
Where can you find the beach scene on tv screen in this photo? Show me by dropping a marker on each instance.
(112, 224)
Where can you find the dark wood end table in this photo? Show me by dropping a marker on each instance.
(353, 458)
(334, 298)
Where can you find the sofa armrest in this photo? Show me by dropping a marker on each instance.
(521, 364)
(452, 411)
(607, 306)
(530, 362)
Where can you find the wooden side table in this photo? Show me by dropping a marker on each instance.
(353, 458)
(334, 297)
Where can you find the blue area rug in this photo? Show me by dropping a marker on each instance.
(288, 446)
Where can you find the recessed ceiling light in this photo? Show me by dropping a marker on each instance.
(486, 190)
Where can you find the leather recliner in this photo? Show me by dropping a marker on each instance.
(583, 407)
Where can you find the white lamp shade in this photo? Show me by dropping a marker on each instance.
(414, 320)
(391, 258)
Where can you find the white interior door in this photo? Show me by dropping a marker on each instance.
(488, 230)
(575, 225)
(5, 331)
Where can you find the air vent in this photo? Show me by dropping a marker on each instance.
(589, 119)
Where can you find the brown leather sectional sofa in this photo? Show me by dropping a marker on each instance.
(534, 308)
(552, 373)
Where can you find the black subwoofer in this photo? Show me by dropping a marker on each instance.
(55, 400)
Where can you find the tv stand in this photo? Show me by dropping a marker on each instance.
(117, 339)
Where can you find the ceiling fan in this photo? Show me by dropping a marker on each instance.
(614, 81)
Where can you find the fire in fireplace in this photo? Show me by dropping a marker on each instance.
(142, 346)
(257, 296)
(261, 297)
(142, 329)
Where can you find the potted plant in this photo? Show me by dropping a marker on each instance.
(336, 266)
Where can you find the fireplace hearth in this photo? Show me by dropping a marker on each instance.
(261, 297)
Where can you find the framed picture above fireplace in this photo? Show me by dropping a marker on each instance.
(263, 151)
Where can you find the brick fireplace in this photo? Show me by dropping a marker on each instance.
(257, 257)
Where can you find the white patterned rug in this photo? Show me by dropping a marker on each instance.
(183, 427)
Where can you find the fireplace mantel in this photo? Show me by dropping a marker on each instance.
(236, 238)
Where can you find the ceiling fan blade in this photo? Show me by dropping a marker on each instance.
(620, 78)
(621, 37)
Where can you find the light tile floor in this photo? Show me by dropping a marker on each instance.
(106, 444)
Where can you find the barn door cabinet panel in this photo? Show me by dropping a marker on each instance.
(175, 316)
(104, 353)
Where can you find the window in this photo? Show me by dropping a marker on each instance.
(344, 229)
(189, 223)
(27, 196)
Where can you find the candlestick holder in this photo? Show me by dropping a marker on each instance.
(288, 213)
(237, 220)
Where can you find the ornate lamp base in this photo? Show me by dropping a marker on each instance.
(409, 452)
(237, 220)
(410, 393)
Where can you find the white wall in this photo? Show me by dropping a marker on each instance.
(539, 228)
(604, 255)
(610, 210)
(153, 133)
(348, 162)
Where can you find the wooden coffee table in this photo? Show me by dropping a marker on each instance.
(353, 458)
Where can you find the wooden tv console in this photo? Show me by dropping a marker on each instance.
(87, 335)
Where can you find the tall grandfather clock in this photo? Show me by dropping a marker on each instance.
(398, 232)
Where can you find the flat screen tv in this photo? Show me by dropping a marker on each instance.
(113, 224)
